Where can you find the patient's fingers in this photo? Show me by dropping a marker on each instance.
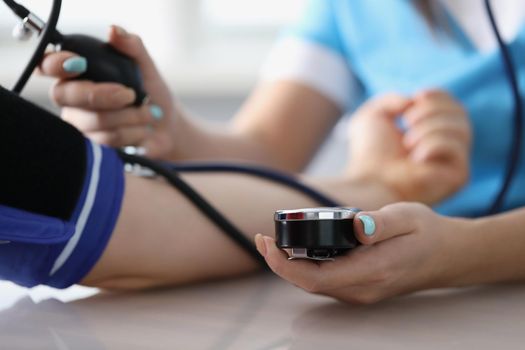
(90, 95)
(88, 121)
(423, 111)
(432, 103)
(440, 148)
(453, 127)
(390, 105)
(62, 65)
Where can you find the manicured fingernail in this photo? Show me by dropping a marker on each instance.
(369, 224)
(156, 112)
(120, 31)
(75, 64)
(124, 96)
(259, 244)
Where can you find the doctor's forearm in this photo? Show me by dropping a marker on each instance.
(161, 239)
(488, 250)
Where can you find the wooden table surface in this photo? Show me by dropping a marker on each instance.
(260, 313)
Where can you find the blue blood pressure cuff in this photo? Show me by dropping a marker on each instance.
(60, 197)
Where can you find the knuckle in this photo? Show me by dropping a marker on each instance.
(101, 116)
(94, 99)
(100, 121)
(56, 94)
(422, 115)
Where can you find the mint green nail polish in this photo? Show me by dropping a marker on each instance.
(368, 224)
(75, 65)
(156, 112)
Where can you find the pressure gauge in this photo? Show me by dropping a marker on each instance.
(316, 233)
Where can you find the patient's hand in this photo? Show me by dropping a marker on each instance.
(103, 111)
(427, 162)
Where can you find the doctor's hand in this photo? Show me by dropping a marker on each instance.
(103, 111)
(406, 247)
(426, 162)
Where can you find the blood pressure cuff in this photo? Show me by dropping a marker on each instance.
(60, 197)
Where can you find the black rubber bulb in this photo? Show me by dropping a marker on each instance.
(105, 64)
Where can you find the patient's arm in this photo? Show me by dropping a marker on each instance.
(75, 188)
(161, 239)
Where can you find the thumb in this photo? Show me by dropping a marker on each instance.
(131, 45)
(390, 221)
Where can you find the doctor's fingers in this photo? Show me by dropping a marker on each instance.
(391, 221)
(89, 121)
(298, 272)
(319, 278)
(62, 65)
(93, 96)
(422, 111)
(450, 127)
(132, 45)
(128, 136)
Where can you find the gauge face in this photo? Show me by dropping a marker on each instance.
(315, 214)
